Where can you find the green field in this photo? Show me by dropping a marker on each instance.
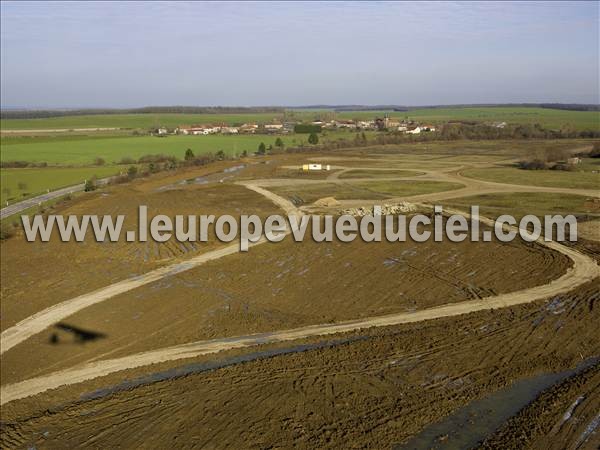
(389, 173)
(368, 190)
(519, 205)
(141, 121)
(84, 150)
(549, 118)
(38, 181)
(550, 178)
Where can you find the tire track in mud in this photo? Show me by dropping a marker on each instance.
(437, 356)
(584, 269)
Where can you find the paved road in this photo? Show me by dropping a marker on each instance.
(35, 201)
(16, 208)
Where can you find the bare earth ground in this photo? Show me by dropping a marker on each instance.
(375, 392)
(40, 274)
(565, 413)
(233, 296)
(285, 288)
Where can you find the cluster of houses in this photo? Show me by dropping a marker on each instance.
(377, 124)
(247, 128)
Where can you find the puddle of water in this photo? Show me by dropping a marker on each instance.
(471, 424)
(210, 178)
(234, 168)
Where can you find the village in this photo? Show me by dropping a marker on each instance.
(377, 124)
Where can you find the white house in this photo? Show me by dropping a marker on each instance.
(230, 130)
(415, 130)
(274, 127)
(313, 166)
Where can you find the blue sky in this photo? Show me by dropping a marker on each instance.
(77, 54)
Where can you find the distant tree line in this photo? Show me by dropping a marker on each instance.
(570, 107)
(42, 114)
(402, 108)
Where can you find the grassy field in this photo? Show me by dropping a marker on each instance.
(83, 151)
(551, 178)
(519, 205)
(143, 121)
(37, 181)
(550, 118)
(366, 173)
(368, 190)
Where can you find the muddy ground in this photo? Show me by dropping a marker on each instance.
(39, 274)
(380, 388)
(567, 413)
(282, 286)
(374, 392)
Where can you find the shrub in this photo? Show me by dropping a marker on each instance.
(307, 128)
(7, 231)
(157, 158)
(132, 172)
(127, 160)
(562, 166)
(90, 185)
(536, 164)
(189, 154)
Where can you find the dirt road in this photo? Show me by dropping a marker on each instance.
(49, 316)
(584, 269)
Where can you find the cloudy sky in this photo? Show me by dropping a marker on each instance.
(77, 54)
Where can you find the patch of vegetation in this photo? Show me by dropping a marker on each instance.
(112, 150)
(550, 178)
(366, 173)
(523, 203)
(372, 190)
(20, 184)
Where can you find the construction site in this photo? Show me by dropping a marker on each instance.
(307, 344)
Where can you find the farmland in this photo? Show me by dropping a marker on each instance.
(370, 190)
(19, 184)
(548, 118)
(583, 179)
(132, 121)
(131, 383)
(83, 151)
(540, 204)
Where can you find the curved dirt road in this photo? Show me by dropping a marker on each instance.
(584, 269)
(43, 319)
